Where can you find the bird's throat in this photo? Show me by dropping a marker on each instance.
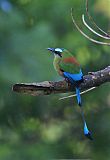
(56, 63)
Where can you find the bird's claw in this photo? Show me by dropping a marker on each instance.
(91, 73)
(67, 80)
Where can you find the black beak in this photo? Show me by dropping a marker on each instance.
(51, 49)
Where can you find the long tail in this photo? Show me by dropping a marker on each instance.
(87, 133)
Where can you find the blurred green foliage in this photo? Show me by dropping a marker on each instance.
(43, 127)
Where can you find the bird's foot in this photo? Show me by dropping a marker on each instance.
(67, 80)
(91, 73)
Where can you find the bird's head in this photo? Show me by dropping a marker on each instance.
(56, 51)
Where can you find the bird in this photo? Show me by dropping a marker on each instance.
(68, 67)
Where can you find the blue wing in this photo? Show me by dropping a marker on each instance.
(74, 78)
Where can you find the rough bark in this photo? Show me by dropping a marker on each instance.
(93, 79)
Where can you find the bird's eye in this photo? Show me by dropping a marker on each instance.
(56, 52)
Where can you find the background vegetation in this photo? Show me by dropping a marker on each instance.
(43, 127)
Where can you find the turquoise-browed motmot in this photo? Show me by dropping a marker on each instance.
(68, 67)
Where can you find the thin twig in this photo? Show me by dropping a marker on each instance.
(85, 23)
(74, 95)
(93, 22)
(93, 40)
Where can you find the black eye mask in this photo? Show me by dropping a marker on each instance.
(58, 53)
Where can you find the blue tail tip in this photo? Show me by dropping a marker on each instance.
(89, 135)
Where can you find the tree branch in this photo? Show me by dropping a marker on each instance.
(93, 79)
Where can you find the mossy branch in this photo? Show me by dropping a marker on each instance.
(93, 79)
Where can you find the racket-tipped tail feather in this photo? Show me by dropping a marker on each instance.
(87, 133)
